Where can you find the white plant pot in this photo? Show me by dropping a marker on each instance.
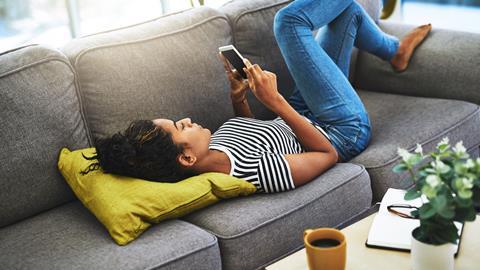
(428, 257)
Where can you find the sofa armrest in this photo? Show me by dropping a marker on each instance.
(446, 65)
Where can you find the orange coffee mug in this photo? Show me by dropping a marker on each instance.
(326, 249)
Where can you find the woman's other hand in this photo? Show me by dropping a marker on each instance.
(264, 85)
(238, 85)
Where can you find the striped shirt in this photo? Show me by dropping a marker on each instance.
(257, 149)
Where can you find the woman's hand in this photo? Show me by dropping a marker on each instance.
(264, 85)
(238, 85)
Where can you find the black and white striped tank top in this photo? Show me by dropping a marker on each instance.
(256, 149)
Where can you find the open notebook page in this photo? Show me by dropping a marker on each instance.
(391, 231)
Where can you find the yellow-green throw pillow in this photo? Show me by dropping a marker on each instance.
(127, 206)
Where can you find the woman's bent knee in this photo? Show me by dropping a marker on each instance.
(288, 17)
(283, 19)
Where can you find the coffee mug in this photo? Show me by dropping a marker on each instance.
(326, 249)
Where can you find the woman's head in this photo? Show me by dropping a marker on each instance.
(193, 138)
(152, 149)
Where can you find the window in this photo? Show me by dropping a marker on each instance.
(32, 21)
(461, 15)
(55, 22)
(96, 16)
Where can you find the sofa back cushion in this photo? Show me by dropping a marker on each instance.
(252, 27)
(40, 113)
(445, 65)
(164, 68)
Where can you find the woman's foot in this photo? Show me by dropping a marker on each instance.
(407, 45)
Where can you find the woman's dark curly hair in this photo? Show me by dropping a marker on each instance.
(142, 151)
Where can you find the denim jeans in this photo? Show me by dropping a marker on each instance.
(319, 65)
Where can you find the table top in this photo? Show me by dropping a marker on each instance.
(361, 257)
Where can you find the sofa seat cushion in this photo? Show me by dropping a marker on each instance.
(404, 121)
(69, 237)
(253, 231)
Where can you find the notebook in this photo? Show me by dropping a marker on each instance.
(389, 231)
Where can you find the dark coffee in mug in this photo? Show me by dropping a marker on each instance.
(325, 243)
(326, 249)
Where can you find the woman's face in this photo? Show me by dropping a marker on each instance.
(194, 138)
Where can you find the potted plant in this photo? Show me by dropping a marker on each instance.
(448, 181)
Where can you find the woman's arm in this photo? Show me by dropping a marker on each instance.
(309, 136)
(241, 108)
(306, 166)
(322, 155)
(238, 90)
(264, 86)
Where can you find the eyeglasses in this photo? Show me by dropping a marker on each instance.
(396, 210)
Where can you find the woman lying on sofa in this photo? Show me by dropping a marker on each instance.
(322, 123)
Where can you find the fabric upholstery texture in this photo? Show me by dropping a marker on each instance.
(404, 121)
(128, 206)
(168, 68)
(445, 65)
(252, 29)
(40, 113)
(254, 231)
(372, 7)
(165, 68)
(69, 237)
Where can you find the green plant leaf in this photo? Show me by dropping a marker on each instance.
(399, 168)
(463, 202)
(443, 147)
(460, 168)
(426, 211)
(447, 212)
(458, 183)
(434, 230)
(439, 202)
(412, 194)
(415, 159)
(429, 191)
(423, 173)
(465, 193)
(419, 234)
(448, 234)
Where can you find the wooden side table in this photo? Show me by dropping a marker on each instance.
(360, 257)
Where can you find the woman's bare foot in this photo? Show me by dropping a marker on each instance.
(407, 45)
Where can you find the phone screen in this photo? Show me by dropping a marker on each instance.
(236, 61)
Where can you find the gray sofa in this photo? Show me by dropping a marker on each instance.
(167, 67)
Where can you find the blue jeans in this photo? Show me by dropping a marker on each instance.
(319, 65)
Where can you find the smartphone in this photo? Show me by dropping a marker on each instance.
(234, 57)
